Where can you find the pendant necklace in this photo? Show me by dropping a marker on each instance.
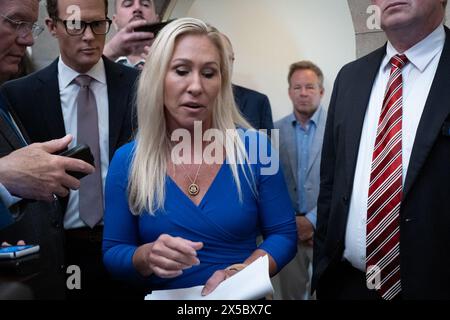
(193, 189)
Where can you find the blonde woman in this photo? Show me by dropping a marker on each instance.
(171, 223)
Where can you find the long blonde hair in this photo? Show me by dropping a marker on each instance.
(146, 185)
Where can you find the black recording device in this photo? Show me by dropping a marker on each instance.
(82, 152)
(154, 27)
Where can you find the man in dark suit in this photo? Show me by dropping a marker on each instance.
(30, 175)
(384, 199)
(254, 106)
(52, 107)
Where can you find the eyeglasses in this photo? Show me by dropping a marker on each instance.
(78, 27)
(24, 28)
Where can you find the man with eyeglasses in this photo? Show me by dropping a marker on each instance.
(90, 97)
(127, 46)
(30, 175)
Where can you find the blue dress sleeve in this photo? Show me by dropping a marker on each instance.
(120, 236)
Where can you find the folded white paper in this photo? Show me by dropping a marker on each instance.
(251, 283)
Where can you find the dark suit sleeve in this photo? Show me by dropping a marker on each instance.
(326, 179)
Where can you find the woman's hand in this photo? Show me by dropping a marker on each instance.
(221, 275)
(167, 257)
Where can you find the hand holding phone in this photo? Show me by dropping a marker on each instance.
(82, 152)
(13, 252)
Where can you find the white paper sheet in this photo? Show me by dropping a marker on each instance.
(251, 283)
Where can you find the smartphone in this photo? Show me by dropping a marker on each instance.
(154, 27)
(82, 152)
(14, 252)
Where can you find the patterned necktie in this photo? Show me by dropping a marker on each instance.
(91, 188)
(385, 190)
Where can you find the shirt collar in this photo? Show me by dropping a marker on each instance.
(67, 74)
(420, 54)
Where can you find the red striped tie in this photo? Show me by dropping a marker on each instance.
(385, 191)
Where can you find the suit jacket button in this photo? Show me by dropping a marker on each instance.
(345, 199)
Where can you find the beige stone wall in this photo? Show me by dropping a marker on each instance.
(367, 40)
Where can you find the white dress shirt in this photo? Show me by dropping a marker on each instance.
(418, 76)
(68, 90)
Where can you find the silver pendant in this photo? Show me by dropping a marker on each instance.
(193, 189)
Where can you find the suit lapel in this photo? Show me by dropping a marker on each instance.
(51, 101)
(117, 101)
(358, 102)
(239, 98)
(436, 110)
